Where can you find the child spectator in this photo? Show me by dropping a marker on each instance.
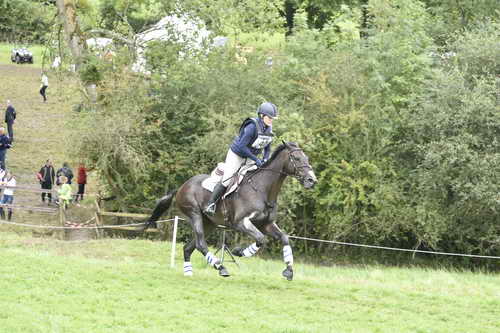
(64, 192)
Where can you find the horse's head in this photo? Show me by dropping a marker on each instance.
(298, 165)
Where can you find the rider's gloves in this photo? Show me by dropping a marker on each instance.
(259, 163)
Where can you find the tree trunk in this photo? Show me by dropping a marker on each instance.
(75, 40)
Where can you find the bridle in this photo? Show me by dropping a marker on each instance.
(296, 167)
(295, 174)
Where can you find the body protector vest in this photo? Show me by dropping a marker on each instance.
(263, 138)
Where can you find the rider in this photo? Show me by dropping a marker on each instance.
(254, 136)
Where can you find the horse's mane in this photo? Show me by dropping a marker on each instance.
(278, 150)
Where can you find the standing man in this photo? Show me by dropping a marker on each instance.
(4, 145)
(44, 86)
(47, 177)
(10, 116)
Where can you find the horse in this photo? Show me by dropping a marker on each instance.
(252, 209)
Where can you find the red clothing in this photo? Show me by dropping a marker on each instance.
(82, 175)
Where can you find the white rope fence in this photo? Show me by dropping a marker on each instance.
(393, 248)
(177, 218)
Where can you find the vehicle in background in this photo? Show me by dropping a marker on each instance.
(20, 55)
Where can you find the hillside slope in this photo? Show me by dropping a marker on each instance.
(39, 130)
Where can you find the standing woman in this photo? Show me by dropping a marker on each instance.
(8, 194)
(81, 180)
(44, 86)
(254, 136)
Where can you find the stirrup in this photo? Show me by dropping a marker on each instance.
(210, 209)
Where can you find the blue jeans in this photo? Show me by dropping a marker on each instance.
(3, 152)
(6, 200)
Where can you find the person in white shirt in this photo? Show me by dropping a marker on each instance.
(8, 194)
(44, 86)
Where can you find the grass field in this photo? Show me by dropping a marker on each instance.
(118, 285)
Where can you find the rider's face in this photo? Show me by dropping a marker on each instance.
(267, 120)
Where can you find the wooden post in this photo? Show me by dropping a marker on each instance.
(174, 239)
(62, 218)
(98, 221)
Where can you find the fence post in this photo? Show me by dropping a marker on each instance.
(174, 239)
(62, 218)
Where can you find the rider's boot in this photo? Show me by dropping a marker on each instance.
(2, 214)
(9, 215)
(212, 202)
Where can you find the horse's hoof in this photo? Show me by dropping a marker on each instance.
(223, 272)
(288, 273)
(237, 251)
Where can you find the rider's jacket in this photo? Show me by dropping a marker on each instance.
(254, 136)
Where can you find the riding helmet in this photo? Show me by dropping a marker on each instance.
(268, 109)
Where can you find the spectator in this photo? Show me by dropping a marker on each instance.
(82, 181)
(8, 194)
(64, 192)
(47, 176)
(64, 171)
(4, 145)
(44, 86)
(10, 116)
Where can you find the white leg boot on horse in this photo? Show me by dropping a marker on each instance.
(247, 252)
(215, 262)
(288, 258)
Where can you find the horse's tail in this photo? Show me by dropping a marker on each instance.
(161, 206)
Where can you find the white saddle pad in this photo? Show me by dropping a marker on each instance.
(216, 177)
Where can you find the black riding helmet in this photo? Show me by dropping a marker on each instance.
(268, 109)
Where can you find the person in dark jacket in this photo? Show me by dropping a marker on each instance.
(4, 145)
(64, 171)
(255, 136)
(47, 177)
(10, 116)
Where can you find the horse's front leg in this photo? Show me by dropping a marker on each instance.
(274, 231)
(246, 226)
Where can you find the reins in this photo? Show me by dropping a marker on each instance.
(295, 174)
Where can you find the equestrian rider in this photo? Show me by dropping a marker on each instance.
(254, 136)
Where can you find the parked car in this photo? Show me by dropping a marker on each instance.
(20, 55)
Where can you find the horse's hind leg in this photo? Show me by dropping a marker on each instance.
(201, 244)
(188, 250)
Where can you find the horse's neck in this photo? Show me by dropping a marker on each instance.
(273, 180)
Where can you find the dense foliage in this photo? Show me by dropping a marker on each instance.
(395, 102)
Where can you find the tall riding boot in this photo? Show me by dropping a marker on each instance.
(9, 215)
(211, 207)
(2, 214)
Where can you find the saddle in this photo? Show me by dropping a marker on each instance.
(217, 174)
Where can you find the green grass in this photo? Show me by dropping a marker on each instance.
(117, 285)
(37, 51)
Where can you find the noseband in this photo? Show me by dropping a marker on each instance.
(296, 167)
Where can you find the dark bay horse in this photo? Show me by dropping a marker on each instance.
(252, 209)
